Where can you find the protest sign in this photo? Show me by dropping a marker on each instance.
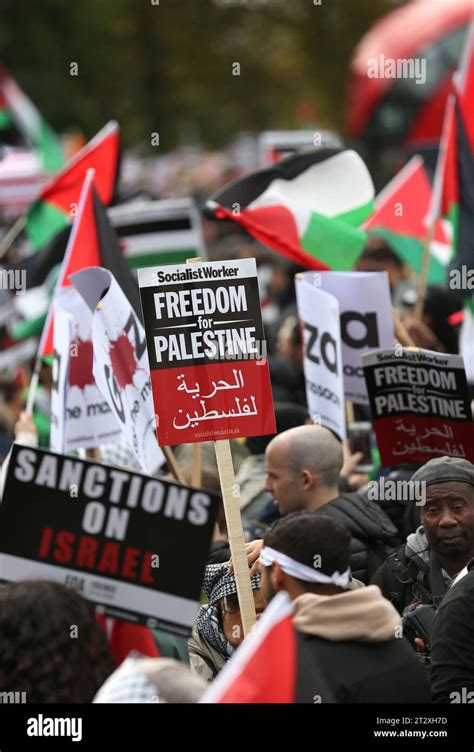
(117, 537)
(80, 416)
(366, 321)
(206, 351)
(420, 405)
(319, 316)
(120, 362)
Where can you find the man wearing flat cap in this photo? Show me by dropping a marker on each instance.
(422, 570)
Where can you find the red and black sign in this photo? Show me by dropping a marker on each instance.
(117, 537)
(207, 351)
(420, 405)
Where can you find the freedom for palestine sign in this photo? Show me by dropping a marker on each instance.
(207, 352)
(420, 405)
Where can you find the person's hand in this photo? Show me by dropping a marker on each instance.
(252, 550)
(421, 334)
(25, 429)
(350, 462)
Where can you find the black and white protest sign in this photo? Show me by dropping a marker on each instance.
(366, 321)
(134, 545)
(319, 316)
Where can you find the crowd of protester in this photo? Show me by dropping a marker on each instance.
(389, 617)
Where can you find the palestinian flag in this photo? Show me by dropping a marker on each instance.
(34, 128)
(453, 192)
(92, 243)
(308, 207)
(271, 665)
(55, 207)
(400, 217)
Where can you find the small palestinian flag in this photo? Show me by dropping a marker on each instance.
(400, 213)
(270, 666)
(92, 242)
(55, 207)
(33, 127)
(308, 207)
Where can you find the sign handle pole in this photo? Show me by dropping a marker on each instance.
(173, 465)
(196, 468)
(349, 412)
(11, 235)
(236, 533)
(401, 333)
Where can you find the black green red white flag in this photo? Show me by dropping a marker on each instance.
(308, 207)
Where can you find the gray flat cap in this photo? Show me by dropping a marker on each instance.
(445, 469)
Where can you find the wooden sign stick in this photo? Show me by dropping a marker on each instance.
(173, 465)
(230, 497)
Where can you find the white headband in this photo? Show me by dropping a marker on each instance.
(301, 571)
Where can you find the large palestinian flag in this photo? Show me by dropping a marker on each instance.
(400, 215)
(92, 242)
(56, 206)
(308, 207)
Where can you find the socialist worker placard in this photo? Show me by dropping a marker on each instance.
(207, 351)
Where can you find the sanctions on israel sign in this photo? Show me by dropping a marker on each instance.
(115, 536)
(207, 352)
(420, 405)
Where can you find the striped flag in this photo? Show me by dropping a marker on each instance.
(308, 207)
(400, 213)
(55, 207)
(17, 107)
(92, 243)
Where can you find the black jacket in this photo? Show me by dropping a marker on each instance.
(452, 645)
(361, 672)
(374, 537)
(409, 576)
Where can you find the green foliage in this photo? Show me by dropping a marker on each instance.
(168, 67)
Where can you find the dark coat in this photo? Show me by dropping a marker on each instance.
(374, 537)
(361, 672)
(452, 644)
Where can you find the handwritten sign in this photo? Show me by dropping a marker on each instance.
(207, 351)
(420, 405)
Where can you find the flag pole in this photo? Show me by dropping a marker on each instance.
(422, 281)
(173, 465)
(30, 403)
(11, 235)
(235, 531)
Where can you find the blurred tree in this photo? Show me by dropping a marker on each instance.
(168, 67)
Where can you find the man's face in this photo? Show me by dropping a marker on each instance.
(231, 619)
(282, 481)
(448, 518)
(267, 589)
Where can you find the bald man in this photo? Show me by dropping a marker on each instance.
(303, 466)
